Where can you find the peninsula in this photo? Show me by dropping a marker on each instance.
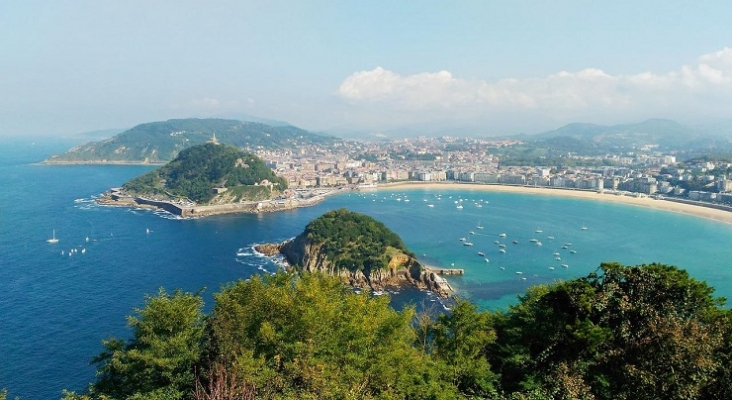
(361, 251)
(202, 180)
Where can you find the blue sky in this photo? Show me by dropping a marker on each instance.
(500, 66)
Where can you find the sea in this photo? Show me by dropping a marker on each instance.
(59, 301)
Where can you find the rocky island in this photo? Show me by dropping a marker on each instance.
(361, 251)
(203, 180)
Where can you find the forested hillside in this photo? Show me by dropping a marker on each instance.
(159, 142)
(196, 171)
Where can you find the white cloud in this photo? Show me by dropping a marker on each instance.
(560, 95)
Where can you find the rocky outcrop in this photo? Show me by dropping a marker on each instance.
(402, 270)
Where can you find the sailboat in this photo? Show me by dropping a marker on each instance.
(479, 225)
(53, 238)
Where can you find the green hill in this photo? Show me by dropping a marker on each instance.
(353, 241)
(197, 170)
(159, 142)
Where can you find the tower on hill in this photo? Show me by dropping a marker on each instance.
(213, 139)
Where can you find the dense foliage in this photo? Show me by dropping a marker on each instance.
(647, 332)
(354, 241)
(162, 141)
(196, 171)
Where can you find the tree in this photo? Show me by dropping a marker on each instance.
(158, 361)
(622, 332)
(461, 338)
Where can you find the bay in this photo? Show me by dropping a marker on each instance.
(57, 308)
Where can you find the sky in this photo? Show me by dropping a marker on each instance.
(496, 67)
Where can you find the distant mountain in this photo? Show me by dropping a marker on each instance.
(197, 170)
(159, 142)
(662, 132)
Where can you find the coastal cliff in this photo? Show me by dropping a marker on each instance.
(367, 255)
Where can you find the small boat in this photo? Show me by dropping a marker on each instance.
(147, 230)
(584, 228)
(558, 258)
(87, 239)
(523, 279)
(533, 240)
(83, 251)
(515, 242)
(538, 243)
(503, 246)
(479, 226)
(502, 235)
(479, 206)
(565, 266)
(487, 260)
(406, 200)
(556, 254)
(568, 244)
(502, 251)
(573, 251)
(519, 272)
(53, 238)
(462, 239)
(496, 241)
(538, 230)
(467, 244)
(471, 232)
(459, 207)
(430, 205)
(480, 253)
(503, 268)
(565, 246)
(550, 237)
(551, 268)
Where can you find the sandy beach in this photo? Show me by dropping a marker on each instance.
(658, 204)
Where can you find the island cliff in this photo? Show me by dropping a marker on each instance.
(361, 251)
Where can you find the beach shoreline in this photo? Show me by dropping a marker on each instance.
(696, 210)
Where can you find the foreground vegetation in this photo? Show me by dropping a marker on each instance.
(646, 332)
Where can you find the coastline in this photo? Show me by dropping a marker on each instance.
(696, 210)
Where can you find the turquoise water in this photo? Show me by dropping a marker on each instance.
(56, 308)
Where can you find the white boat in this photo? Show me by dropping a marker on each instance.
(538, 243)
(467, 244)
(462, 239)
(573, 251)
(87, 239)
(480, 253)
(550, 237)
(459, 207)
(538, 230)
(487, 260)
(430, 205)
(53, 237)
(471, 232)
(551, 268)
(83, 251)
(565, 266)
(479, 226)
(502, 251)
(503, 246)
(519, 272)
(515, 242)
(502, 235)
(503, 268)
(584, 228)
(533, 240)
(147, 230)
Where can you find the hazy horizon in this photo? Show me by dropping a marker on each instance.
(500, 68)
